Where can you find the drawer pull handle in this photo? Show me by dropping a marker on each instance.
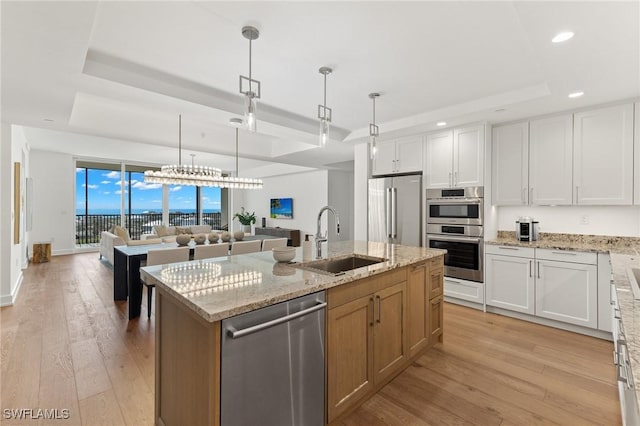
(565, 253)
(508, 248)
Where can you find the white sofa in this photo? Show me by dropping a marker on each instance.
(110, 240)
(171, 232)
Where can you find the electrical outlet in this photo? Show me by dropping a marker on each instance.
(584, 219)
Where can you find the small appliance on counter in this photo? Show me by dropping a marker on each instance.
(526, 229)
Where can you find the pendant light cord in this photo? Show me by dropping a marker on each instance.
(250, 85)
(180, 139)
(325, 96)
(374, 111)
(237, 172)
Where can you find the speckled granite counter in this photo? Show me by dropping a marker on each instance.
(625, 254)
(222, 287)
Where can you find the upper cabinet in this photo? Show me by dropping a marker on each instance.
(399, 156)
(510, 164)
(636, 173)
(551, 161)
(603, 156)
(455, 158)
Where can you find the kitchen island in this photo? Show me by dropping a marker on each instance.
(367, 344)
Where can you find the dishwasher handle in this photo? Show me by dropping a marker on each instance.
(234, 334)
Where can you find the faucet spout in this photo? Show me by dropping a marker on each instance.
(320, 238)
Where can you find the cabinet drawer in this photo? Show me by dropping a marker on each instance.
(463, 289)
(509, 250)
(567, 256)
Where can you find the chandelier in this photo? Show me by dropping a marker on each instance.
(195, 175)
(373, 129)
(252, 91)
(324, 113)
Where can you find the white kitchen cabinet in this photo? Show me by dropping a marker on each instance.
(551, 160)
(567, 292)
(604, 292)
(510, 283)
(636, 149)
(470, 291)
(603, 156)
(510, 165)
(399, 156)
(455, 158)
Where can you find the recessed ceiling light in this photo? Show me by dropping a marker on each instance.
(500, 110)
(575, 94)
(563, 36)
(441, 123)
(47, 119)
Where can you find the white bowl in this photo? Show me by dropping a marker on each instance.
(283, 254)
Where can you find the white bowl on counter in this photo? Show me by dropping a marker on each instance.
(283, 254)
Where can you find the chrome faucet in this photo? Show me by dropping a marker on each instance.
(322, 238)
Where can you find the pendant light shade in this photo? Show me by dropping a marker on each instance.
(324, 113)
(373, 129)
(249, 87)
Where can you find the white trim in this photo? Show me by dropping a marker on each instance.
(10, 299)
(461, 302)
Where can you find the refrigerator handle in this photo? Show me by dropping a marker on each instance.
(394, 206)
(387, 200)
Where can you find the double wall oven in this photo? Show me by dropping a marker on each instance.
(455, 223)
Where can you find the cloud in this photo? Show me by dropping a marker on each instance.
(79, 169)
(112, 175)
(118, 192)
(175, 188)
(90, 186)
(142, 186)
(106, 193)
(105, 182)
(156, 201)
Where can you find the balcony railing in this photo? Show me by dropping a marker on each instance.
(89, 226)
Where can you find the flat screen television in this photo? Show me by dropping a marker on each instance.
(281, 208)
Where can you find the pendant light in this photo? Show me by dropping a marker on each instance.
(252, 90)
(324, 113)
(236, 181)
(184, 174)
(373, 129)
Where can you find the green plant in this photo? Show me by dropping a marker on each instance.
(245, 217)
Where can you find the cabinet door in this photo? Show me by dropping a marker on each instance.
(389, 350)
(603, 156)
(409, 155)
(468, 156)
(510, 283)
(417, 308)
(551, 161)
(510, 165)
(349, 354)
(439, 160)
(383, 162)
(436, 319)
(567, 292)
(636, 149)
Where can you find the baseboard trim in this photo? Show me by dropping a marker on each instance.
(462, 302)
(10, 299)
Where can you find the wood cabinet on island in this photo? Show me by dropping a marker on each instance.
(378, 319)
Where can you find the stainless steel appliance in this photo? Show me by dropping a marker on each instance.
(395, 210)
(526, 229)
(273, 366)
(462, 206)
(454, 223)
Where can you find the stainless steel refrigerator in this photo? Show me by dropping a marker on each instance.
(395, 210)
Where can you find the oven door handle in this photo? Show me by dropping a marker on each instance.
(454, 201)
(456, 239)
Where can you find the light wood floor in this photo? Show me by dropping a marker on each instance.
(67, 344)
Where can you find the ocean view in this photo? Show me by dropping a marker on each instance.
(142, 211)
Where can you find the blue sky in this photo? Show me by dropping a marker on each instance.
(104, 193)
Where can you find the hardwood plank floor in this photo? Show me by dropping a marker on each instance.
(66, 344)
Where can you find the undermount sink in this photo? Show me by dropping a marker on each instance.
(339, 265)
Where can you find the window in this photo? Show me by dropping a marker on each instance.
(211, 202)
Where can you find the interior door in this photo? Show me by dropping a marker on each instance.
(406, 205)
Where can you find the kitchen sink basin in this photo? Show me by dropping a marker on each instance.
(339, 265)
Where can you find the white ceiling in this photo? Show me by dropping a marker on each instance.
(119, 73)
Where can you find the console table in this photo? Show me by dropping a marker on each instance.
(292, 235)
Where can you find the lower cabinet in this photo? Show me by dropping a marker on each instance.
(375, 327)
(553, 284)
(567, 292)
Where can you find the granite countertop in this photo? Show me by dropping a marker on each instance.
(625, 254)
(223, 287)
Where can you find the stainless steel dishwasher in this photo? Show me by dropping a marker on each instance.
(273, 365)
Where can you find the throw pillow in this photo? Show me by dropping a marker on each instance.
(112, 230)
(183, 230)
(122, 233)
(160, 230)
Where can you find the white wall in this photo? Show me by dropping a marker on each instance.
(360, 191)
(309, 191)
(602, 220)
(6, 236)
(341, 198)
(54, 185)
